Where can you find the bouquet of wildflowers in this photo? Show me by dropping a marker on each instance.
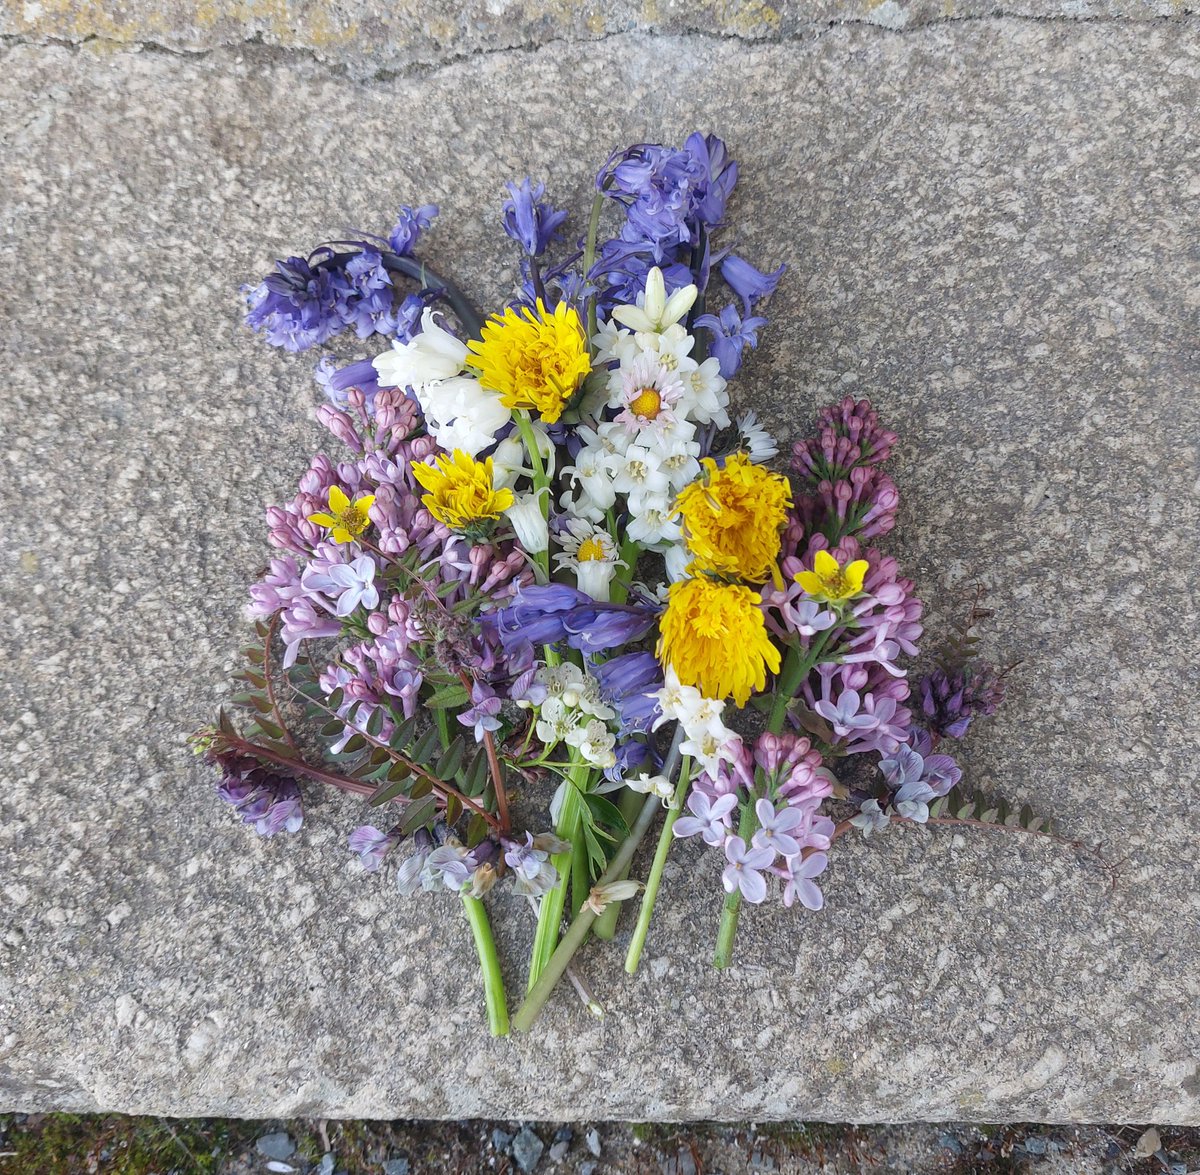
(553, 587)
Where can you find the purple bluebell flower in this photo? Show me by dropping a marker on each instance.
(485, 706)
(367, 304)
(372, 846)
(709, 818)
(632, 758)
(719, 173)
(744, 869)
(750, 284)
(552, 613)
(342, 587)
(410, 224)
(628, 683)
(798, 884)
(336, 381)
(775, 828)
(596, 628)
(298, 306)
(530, 221)
(731, 335)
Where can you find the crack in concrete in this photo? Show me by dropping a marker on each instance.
(262, 51)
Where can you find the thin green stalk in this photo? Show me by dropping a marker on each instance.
(575, 937)
(723, 955)
(489, 966)
(589, 258)
(550, 913)
(646, 912)
(579, 929)
(629, 804)
(540, 481)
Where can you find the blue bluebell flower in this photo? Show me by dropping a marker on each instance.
(530, 221)
(627, 684)
(749, 283)
(367, 304)
(297, 307)
(410, 224)
(731, 335)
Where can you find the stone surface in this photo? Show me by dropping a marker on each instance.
(368, 36)
(991, 230)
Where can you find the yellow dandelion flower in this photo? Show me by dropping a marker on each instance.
(346, 519)
(533, 359)
(732, 518)
(462, 492)
(714, 636)
(830, 582)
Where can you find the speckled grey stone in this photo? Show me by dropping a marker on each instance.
(990, 228)
(367, 37)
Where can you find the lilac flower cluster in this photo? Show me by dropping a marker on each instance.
(307, 301)
(267, 800)
(784, 784)
(845, 492)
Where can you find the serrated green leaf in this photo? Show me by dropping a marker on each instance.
(448, 697)
(417, 814)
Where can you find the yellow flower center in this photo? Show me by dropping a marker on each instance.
(591, 550)
(353, 519)
(647, 404)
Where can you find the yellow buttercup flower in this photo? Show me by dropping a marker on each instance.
(830, 582)
(533, 359)
(462, 492)
(732, 518)
(714, 636)
(346, 519)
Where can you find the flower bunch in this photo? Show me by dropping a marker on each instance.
(554, 584)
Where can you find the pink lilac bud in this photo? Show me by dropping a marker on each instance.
(341, 426)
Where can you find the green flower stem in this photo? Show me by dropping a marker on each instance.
(646, 912)
(589, 258)
(489, 966)
(723, 955)
(630, 804)
(550, 913)
(577, 935)
(540, 481)
(795, 670)
(578, 932)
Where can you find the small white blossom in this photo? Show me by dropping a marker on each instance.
(528, 521)
(655, 311)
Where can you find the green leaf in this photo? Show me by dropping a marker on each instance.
(419, 813)
(448, 697)
(421, 787)
(403, 733)
(477, 830)
(597, 859)
(270, 729)
(454, 809)
(335, 699)
(448, 765)
(256, 679)
(398, 771)
(424, 748)
(332, 728)
(605, 812)
(255, 654)
(475, 777)
(375, 722)
(261, 704)
(385, 792)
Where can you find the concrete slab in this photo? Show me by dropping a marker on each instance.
(991, 230)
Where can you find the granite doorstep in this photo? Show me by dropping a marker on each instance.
(990, 228)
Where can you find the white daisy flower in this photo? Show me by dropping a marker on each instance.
(591, 553)
(756, 441)
(648, 395)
